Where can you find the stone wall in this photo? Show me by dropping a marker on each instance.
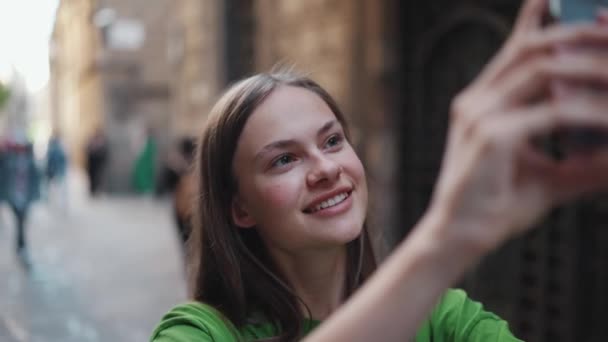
(75, 83)
(314, 36)
(194, 53)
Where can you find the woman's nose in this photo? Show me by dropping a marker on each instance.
(323, 170)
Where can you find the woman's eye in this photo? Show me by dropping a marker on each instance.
(333, 141)
(282, 160)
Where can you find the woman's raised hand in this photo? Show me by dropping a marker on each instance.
(494, 183)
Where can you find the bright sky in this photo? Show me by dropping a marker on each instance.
(25, 30)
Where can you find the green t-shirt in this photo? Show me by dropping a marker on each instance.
(455, 319)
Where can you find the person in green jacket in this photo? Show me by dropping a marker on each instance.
(279, 245)
(144, 173)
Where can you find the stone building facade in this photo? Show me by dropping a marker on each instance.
(195, 53)
(110, 71)
(133, 62)
(76, 92)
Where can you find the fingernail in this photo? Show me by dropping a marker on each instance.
(602, 16)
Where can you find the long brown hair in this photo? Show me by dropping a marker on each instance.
(231, 269)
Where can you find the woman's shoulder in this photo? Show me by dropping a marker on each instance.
(457, 301)
(464, 319)
(194, 321)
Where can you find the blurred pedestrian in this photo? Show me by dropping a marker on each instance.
(22, 188)
(171, 170)
(97, 154)
(56, 171)
(144, 171)
(3, 176)
(3, 170)
(183, 194)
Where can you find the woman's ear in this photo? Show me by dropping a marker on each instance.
(240, 215)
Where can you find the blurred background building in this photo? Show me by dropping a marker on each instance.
(110, 72)
(139, 66)
(76, 85)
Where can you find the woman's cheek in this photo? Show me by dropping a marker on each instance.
(353, 164)
(278, 196)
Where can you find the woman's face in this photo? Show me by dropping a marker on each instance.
(300, 182)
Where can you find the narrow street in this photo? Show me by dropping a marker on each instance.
(105, 270)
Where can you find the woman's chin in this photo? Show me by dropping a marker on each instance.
(347, 233)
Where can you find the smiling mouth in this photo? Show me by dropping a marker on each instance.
(339, 198)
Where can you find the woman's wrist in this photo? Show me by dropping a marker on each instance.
(476, 233)
(443, 241)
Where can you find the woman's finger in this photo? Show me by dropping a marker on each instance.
(528, 20)
(579, 175)
(521, 126)
(585, 109)
(602, 16)
(581, 34)
(534, 79)
(543, 43)
(531, 16)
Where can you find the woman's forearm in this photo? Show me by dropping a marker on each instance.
(400, 295)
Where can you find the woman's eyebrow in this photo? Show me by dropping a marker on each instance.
(328, 125)
(279, 144)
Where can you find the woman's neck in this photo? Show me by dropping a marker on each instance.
(318, 278)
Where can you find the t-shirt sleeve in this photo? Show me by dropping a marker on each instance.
(194, 322)
(457, 318)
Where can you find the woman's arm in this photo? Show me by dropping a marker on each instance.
(394, 302)
(494, 183)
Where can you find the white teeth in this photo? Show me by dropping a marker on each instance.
(331, 202)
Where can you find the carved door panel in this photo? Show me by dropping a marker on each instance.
(239, 31)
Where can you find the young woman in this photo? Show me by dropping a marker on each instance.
(279, 242)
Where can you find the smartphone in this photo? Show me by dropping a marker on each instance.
(573, 11)
(570, 11)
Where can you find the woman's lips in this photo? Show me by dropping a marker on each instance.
(332, 206)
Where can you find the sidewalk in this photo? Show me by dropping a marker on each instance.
(104, 271)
